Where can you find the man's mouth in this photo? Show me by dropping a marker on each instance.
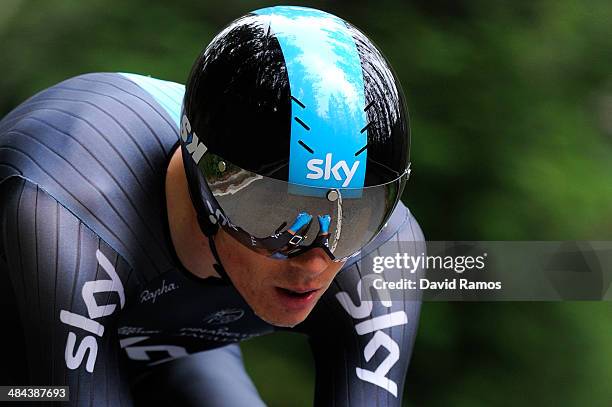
(297, 299)
(297, 293)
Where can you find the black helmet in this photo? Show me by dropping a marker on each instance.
(292, 112)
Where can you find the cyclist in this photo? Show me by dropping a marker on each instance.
(141, 241)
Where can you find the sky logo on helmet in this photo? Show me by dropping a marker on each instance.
(328, 170)
(191, 140)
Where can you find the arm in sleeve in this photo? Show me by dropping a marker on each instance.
(362, 348)
(68, 289)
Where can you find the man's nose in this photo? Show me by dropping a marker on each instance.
(312, 262)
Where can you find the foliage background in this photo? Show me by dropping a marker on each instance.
(511, 106)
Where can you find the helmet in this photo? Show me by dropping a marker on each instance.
(292, 113)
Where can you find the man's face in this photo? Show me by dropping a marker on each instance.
(281, 292)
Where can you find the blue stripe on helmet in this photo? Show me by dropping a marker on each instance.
(325, 75)
(168, 94)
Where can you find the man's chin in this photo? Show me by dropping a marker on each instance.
(283, 321)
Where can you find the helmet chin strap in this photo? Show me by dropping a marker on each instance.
(217, 265)
(210, 230)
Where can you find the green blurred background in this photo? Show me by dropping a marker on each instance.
(511, 106)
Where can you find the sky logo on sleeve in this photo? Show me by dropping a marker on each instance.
(75, 354)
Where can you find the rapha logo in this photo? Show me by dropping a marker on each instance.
(328, 170)
(192, 142)
(148, 295)
(224, 316)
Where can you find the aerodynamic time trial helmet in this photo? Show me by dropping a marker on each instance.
(291, 113)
